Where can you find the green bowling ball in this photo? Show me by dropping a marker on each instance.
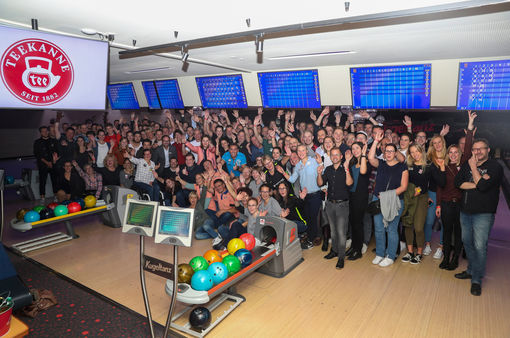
(38, 208)
(198, 263)
(232, 263)
(60, 210)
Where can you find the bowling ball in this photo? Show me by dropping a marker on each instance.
(60, 210)
(20, 215)
(249, 241)
(46, 213)
(9, 179)
(234, 244)
(218, 272)
(212, 256)
(232, 263)
(198, 263)
(184, 273)
(66, 202)
(90, 201)
(244, 256)
(73, 207)
(201, 280)
(81, 202)
(200, 318)
(38, 208)
(52, 205)
(31, 216)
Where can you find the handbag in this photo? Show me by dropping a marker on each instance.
(374, 207)
(43, 299)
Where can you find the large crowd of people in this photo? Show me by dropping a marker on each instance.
(336, 178)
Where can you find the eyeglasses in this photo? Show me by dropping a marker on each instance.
(389, 151)
(252, 205)
(478, 149)
(264, 191)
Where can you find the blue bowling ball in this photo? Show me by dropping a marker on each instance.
(244, 256)
(9, 179)
(201, 280)
(81, 202)
(46, 213)
(66, 202)
(218, 272)
(31, 216)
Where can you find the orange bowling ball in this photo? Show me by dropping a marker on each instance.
(212, 256)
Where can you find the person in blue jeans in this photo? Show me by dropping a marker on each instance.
(391, 175)
(480, 180)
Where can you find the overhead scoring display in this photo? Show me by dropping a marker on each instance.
(484, 85)
(164, 94)
(226, 91)
(122, 96)
(391, 87)
(290, 89)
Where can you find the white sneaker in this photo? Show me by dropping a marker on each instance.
(427, 251)
(438, 254)
(386, 262)
(217, 240)
(364, 249)
(402, 246)
(377, 260)
(348, 244)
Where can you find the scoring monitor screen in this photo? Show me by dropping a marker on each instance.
(391, 87)
(174, 223)
(140, 214)
(292, 89)
(222, 91)
(122, 96)
(150, 93)
(169, 94)
(484, 85)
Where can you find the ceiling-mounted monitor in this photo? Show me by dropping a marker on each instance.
(122, 96)
(151, 94)
(169, 94)
(40, 70)
(484, 85)
(290, 89)
(391, 87)
(225, 91)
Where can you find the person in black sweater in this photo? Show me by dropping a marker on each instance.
(110, 171)
(287, 200)
(44, 148)
(69, 184)
(480, 180)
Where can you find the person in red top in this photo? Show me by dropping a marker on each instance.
(111, 135)
(179, 143)
(448, 199)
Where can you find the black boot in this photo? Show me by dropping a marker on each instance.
(331, 254)
(445, 263)
(326, 234)
(446, 257)
(454, 263)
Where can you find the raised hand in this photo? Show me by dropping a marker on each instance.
(280, 113)
(320, 168)
(325, 121)
(287, 115)
(348, 158)
(292, 115)
(312, 116)
(303, 193)
(350, 117)
(472, 160)
(445, 130)
(407, 121)
(280, 169)
(325, 111)
(364, 114)
(74, 163)
(318, 158)
(235, 113)
(133, 115)
(260, 111)
(364, 149)
(271, 133)
(337, 118)
(379, 136)
(285, 213)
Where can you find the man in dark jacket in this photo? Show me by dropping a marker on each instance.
(480, 180)
(162, 155)
(44, 148)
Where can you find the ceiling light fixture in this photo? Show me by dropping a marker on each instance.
(176, 33)
(248, 22)
(259, 42)
(35, 24)
(134, 42)
(298, 56)
(102, 35)
(347, 5)
(184, 54)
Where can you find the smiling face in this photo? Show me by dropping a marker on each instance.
(356, 150)
(437, 143)
(389, 152)
(301, 151)
(481, 151)
(416, 154)
(454, 155)
(282, 190)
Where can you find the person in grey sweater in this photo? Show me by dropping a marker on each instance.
(269, 204)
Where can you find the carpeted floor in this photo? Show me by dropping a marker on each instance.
(80, 312)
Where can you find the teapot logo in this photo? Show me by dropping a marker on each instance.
(37, 72)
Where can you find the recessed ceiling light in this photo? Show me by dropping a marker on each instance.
(297, 56)
(147, 70)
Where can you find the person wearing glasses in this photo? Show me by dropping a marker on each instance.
(390, 183)
(480, 180)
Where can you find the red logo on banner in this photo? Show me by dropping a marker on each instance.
(37, 71)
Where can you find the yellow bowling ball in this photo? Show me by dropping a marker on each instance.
(90, 201)
(234, 245)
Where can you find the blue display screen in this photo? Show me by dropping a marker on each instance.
(151, 94)
(176, 223)
(225, 91)
(391, 87)
(292, 89)
(169, 94)
(484, 85)
(122, 96)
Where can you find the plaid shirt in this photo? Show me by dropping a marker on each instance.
(92, 183)
(143, 170)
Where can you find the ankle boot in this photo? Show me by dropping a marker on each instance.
(454, 263)
(326, 234)
(445, 263)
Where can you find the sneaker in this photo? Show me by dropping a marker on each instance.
(407, 257)
(348, 244)
(416, 259)
(476, 289)
(219, 247)
(438, 254)
(216, 240)
(377, 260)
(386, 262)
(306, 245)
(403, 246)
(364, 249)
(427, 251)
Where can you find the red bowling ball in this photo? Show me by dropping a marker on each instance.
(74, 207)
(249, 240)
(52, 205)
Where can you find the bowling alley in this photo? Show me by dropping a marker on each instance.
(255, 169)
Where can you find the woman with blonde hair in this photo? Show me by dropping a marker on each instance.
(110, 171)
(435, 154)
